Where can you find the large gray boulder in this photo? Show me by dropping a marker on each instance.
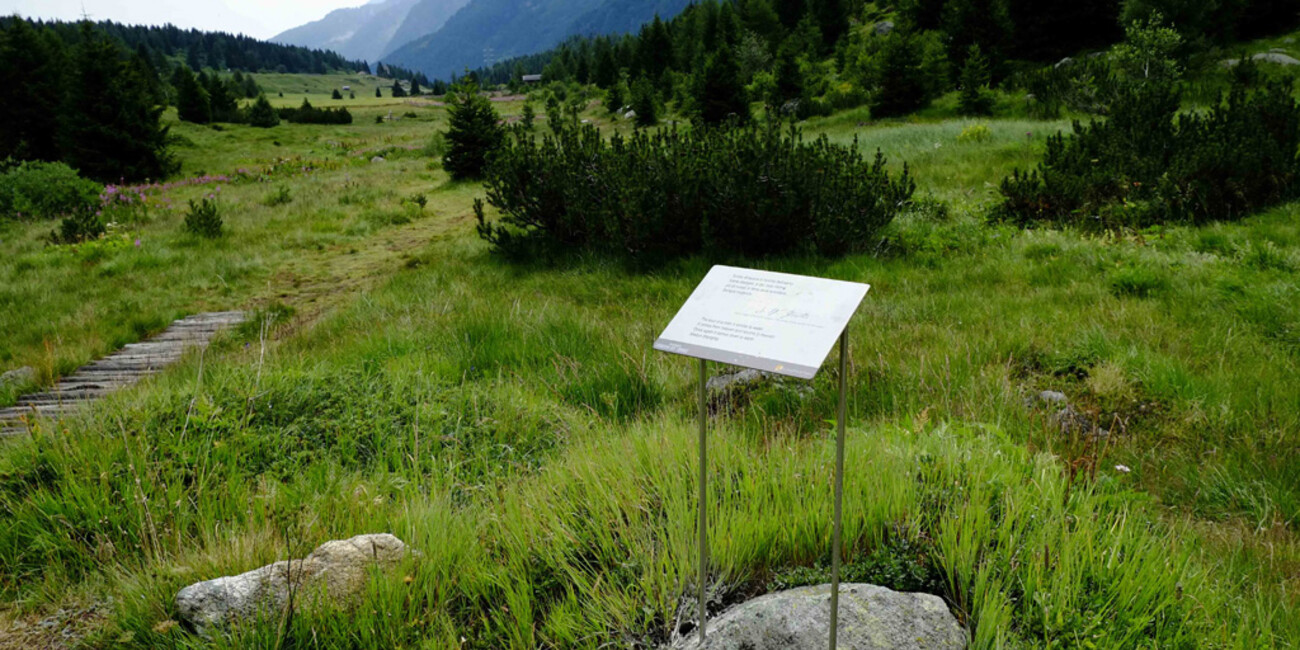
(336, 572)
(871, 618)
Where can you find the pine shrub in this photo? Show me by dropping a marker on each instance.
(1147, 164)
(204, 218)
(261, 114)
(82, 224)
(751, 191)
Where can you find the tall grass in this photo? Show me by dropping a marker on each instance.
(511, 423)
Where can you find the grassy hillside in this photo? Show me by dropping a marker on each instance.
(512, 423)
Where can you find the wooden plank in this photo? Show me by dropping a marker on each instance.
(55, 397)
(17, 412)
(83, 377)
(124, 367)
(128, 366)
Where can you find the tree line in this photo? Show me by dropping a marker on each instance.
(92, 104)
(813, 56)
(92, 95)
(217, 50)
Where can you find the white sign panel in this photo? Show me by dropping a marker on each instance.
(775, 322)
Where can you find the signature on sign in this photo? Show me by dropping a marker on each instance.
(792, 316)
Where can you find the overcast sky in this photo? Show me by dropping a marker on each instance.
(259, 18)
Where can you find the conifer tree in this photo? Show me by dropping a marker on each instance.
(379, 93)
(415, 88)
(111, 130)
(192, 100)
(644, 103)
(225, 108)
(398, 91)
(32, 64)
(901, 81)
(606, 72)
(789, 80)
(336, 94)
(986, 23)
(527, 115)
(262, 114)
(616, 97)
(720, 95)
(473, 132)
(975, 98)
(145, 70)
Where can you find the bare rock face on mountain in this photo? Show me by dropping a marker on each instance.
(870, 618)
(336, 572)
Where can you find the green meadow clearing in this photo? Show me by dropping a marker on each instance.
(512, 423)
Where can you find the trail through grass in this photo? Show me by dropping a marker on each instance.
(512, 423)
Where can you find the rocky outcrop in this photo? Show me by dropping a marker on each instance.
(870, 618)
(336, 571)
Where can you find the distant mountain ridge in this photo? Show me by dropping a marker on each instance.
(372, 30)
(484, 31)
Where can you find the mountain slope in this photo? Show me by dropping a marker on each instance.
(359, 32)
(425, 17)
(624, 16)
(486, 30)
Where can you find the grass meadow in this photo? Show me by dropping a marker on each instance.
(512, 423)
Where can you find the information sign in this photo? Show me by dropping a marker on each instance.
(775, 322)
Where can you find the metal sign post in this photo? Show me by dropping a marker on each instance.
(704, 494)
(778, 323)
(839, 486)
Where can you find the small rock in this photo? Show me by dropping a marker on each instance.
(1052, 397)
(630, 115)
(1071, 422)
(19, 377)
(1064, 62)
(377, 159)
(870, 618)
(884, 28)
(336, 571)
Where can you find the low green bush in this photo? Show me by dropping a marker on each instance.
(280, 196)
(82, 224)
(45, 190)
(753, 191)
(1147, 164)
(308, 114)
(204, 218)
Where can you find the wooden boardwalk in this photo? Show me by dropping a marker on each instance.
(122, 368)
